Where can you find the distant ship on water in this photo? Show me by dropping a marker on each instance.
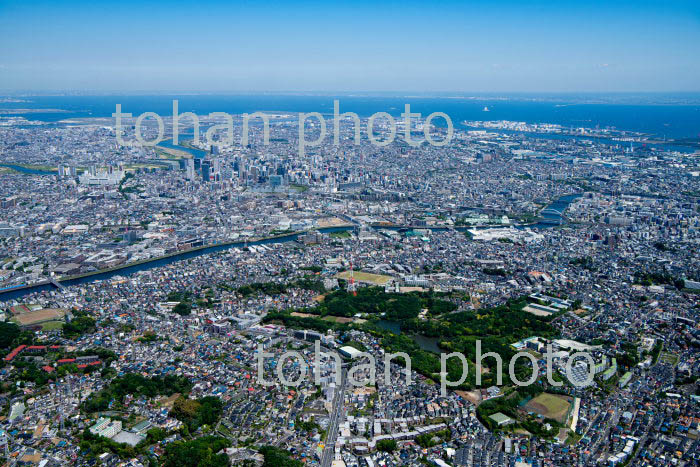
(486, 109)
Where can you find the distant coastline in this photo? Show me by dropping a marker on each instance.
(675, 115)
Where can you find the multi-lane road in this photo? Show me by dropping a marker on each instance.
(336, 418)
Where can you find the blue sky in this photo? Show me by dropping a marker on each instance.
(426, 46)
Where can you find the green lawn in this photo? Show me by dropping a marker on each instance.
(299, 188)
(52, 325)
(341, 234)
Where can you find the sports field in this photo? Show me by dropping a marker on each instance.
(334, 319)
(551, 406)
(365, 277)
(669, 358)
(39, 316)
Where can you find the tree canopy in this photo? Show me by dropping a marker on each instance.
(138, 385)
(200, 452)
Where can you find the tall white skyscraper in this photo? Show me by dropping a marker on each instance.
(190, 169)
